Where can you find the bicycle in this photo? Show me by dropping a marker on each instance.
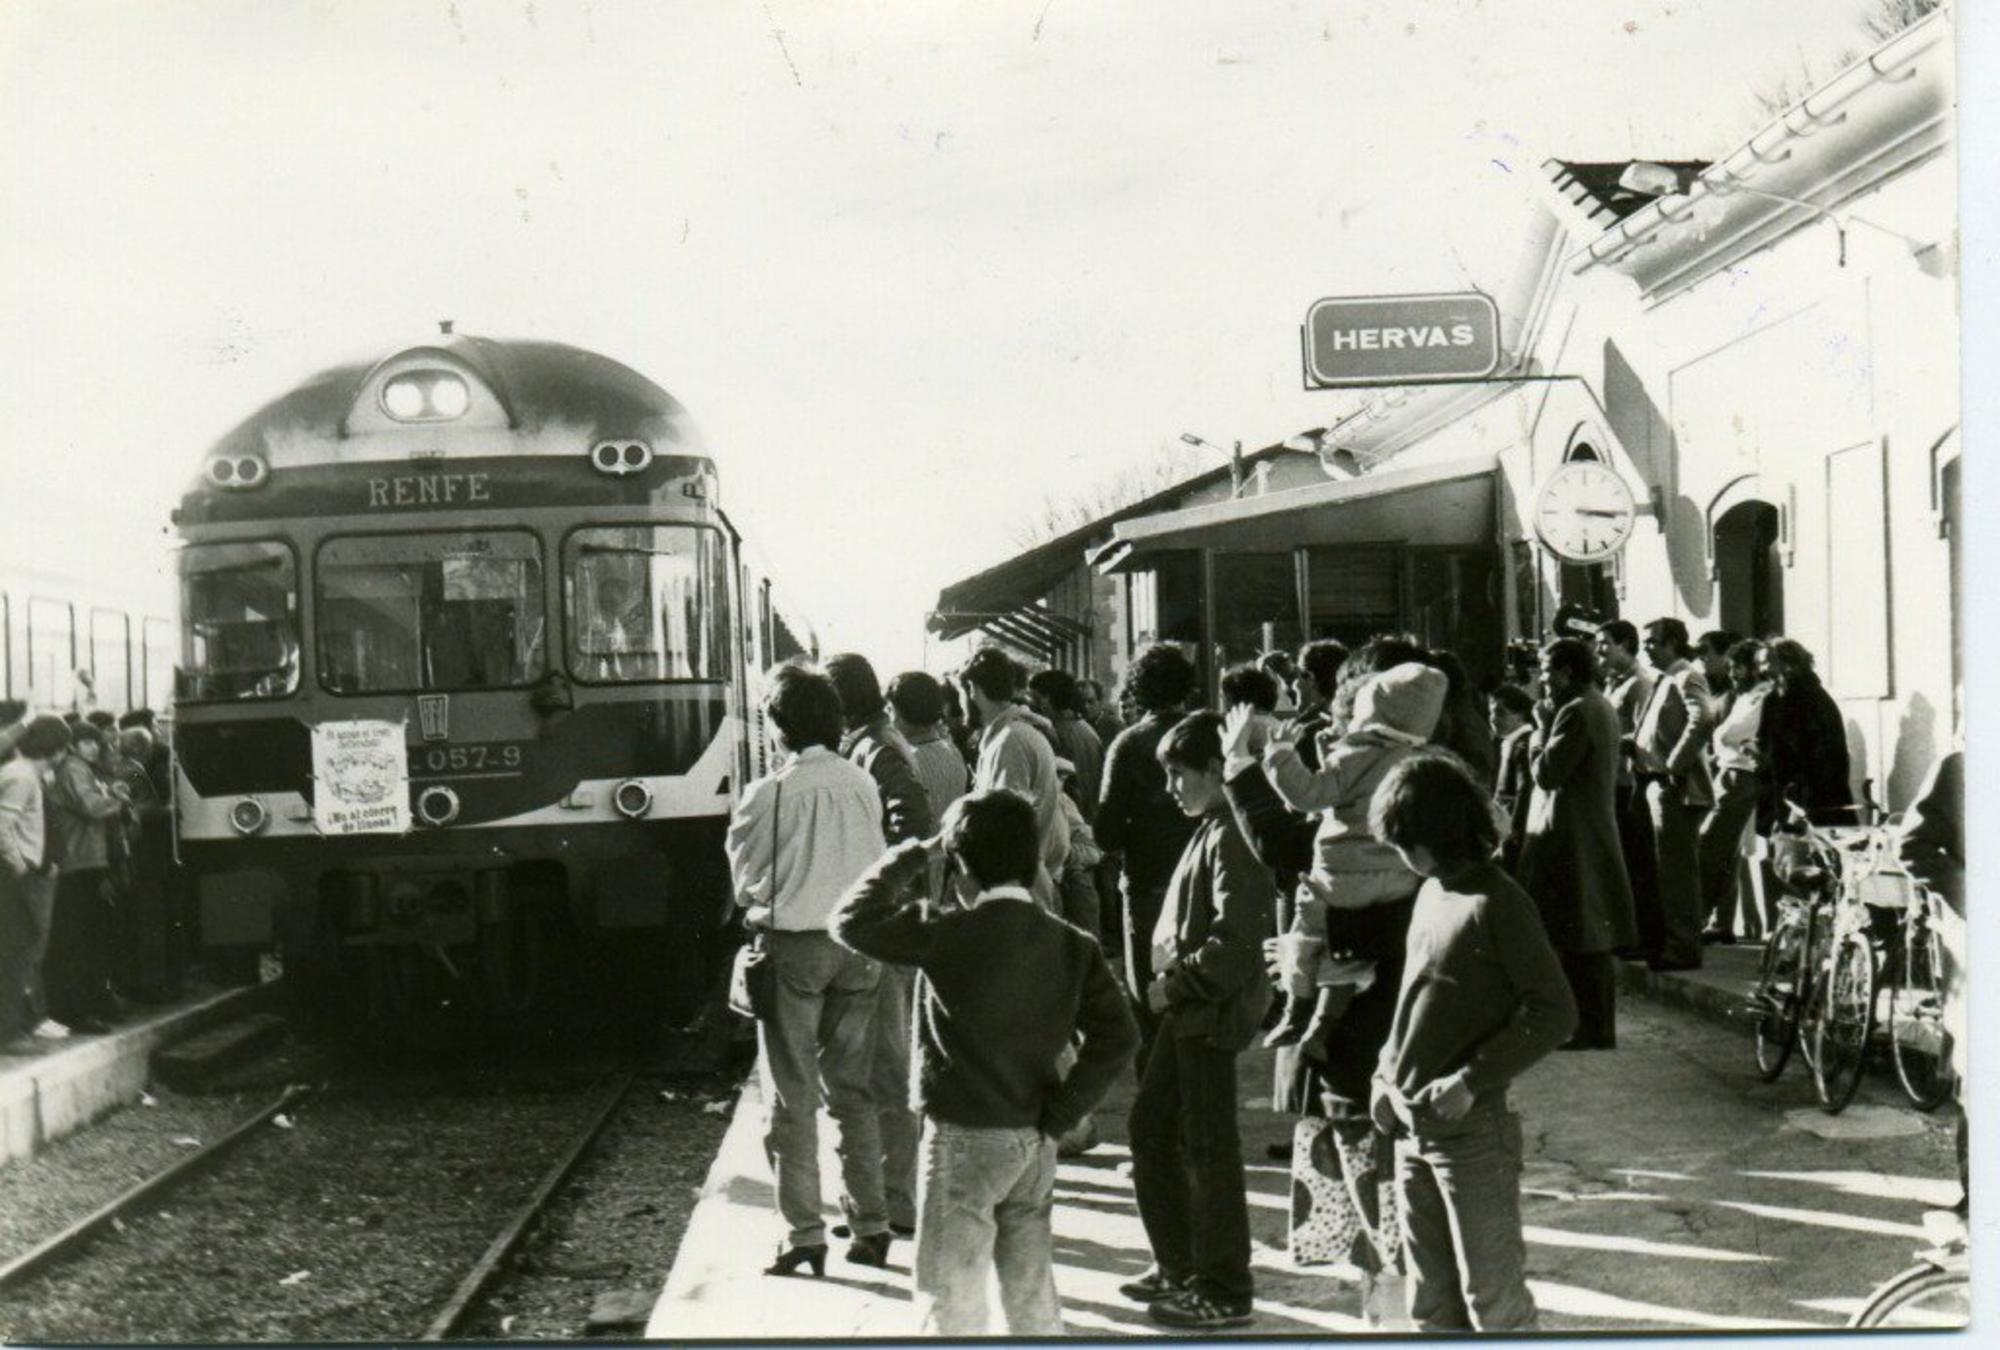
(1935, 1292)
(1808, 867)
(1816, 988)
(1920, 1043)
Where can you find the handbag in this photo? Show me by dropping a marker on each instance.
(753, 981)
(753, 976)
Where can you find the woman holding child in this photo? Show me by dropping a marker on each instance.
(1343, 958)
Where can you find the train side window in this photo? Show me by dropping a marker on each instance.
(156, 656)
(239, 621)
(51, 652)
(646, 603)
(110, 658)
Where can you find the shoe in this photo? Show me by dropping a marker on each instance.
(1192, 1310)
(1716, 937)
(906, 1231)
(1151, 1287)
(872, 1250)
(791, 1258)
(1279, 1152)
(51, 1030)
(1660, 963)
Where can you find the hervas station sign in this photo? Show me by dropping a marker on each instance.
(1389, 339)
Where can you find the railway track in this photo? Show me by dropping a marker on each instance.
(195, 1251)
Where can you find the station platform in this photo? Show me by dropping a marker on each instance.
(49, 1089)
(716, 1288)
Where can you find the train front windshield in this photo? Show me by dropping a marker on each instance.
(405, 612)
(647, 602)
(239, 621)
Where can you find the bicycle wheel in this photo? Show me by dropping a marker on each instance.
(1777, 996)
(1847, 1016)
(1918, 1042)
(1923, 1296)
(1814, 964)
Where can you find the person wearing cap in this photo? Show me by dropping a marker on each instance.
(83, 811)
(27, 878)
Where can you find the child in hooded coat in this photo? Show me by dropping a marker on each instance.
(1395, 713)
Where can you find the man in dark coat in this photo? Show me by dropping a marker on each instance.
(1804, 742)
(1571, 860)
(872, 742)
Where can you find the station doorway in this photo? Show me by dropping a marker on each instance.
(1749, 572)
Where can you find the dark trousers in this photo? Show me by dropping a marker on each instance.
(1677, 855)
(1594, 982)
(82, 938)
(1721, 847)
(1187, 1165)
(1635, 841)
(1140, 912)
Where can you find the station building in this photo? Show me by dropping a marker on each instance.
(1762, 347)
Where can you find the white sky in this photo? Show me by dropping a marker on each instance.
(910, 265)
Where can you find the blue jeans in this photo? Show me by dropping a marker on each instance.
(820, 1040)
(1187, 1164)
(889, 1083)
(985, 1199)
(1458, 1185)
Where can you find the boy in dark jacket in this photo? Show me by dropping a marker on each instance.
(1006, 988)
(1483, 997)
(1210, 994)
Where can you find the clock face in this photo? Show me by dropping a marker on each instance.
(1584, 512)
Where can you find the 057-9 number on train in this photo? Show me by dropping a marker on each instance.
(517, 550)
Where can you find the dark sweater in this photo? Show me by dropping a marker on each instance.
(1482, 989)
(1006, 986)
(1135, 815)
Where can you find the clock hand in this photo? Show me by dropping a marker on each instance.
(1609, 515)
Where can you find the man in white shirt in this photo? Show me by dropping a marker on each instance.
(797, 841)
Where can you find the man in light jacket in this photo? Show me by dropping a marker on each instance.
(1013, 754)
(1673, 732)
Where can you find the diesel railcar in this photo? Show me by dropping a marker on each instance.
(517, 550)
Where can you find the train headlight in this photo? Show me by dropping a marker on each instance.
(248, 816)
(620, 457)
(633, 799)
(437, 805)
(237, 472)
(426, 396)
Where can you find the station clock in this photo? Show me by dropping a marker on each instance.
(1584, 512)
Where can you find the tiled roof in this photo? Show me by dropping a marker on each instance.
(1595, 191)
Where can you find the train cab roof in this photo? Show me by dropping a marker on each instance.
(543, 397)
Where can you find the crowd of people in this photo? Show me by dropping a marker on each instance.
(84, 851)
(986, 896)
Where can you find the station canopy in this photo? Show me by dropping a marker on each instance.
(1448, 503)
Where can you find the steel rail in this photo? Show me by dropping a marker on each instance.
(482, 1274)
(32, 1260)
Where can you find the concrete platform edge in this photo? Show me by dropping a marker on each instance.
(45, 1098)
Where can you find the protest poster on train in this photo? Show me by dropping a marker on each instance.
(361, 778)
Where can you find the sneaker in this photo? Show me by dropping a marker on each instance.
(51, 1030)
(1192, 1310)
(1151, 1287)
